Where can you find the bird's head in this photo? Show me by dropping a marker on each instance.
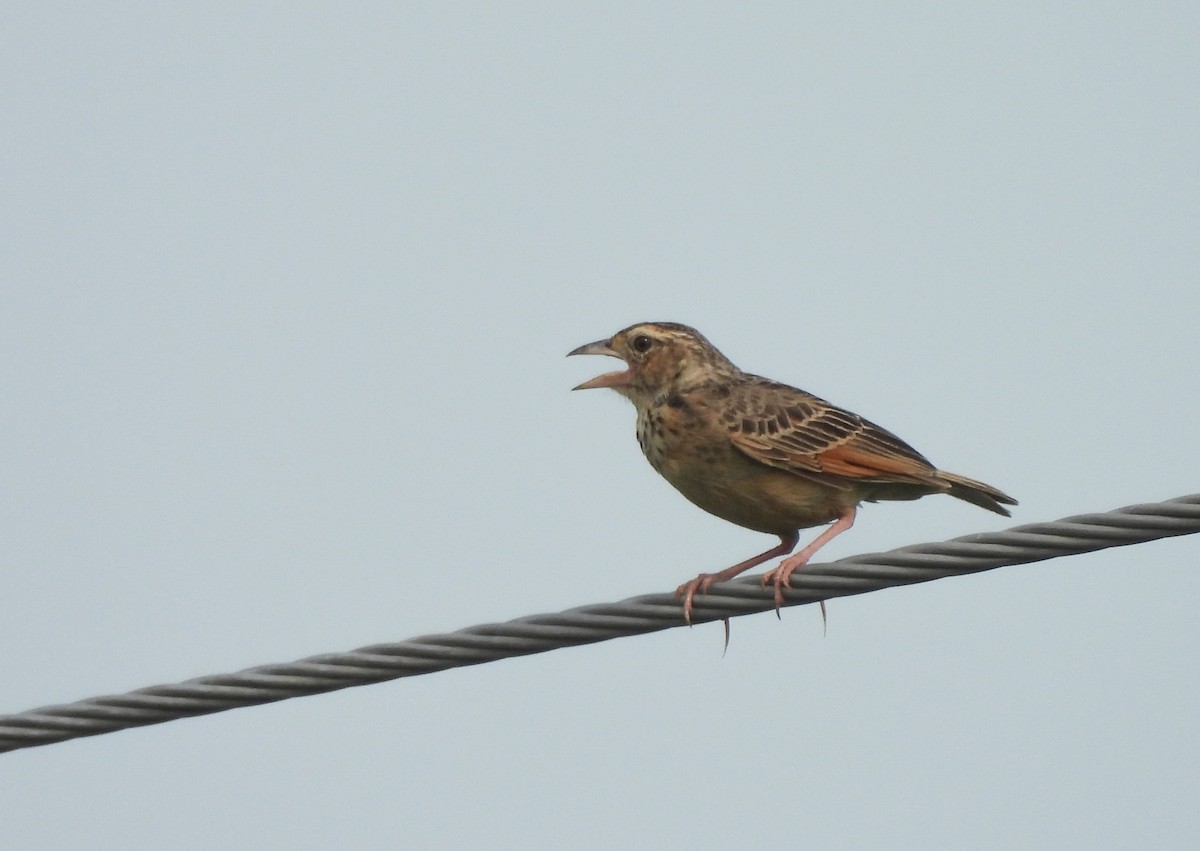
(661, 357)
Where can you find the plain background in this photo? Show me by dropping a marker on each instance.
(286, 292)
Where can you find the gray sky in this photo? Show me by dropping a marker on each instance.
(286, 297)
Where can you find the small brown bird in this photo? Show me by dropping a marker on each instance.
(758, 453)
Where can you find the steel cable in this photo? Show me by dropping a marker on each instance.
(598, 622)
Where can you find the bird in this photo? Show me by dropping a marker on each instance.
(761, 454)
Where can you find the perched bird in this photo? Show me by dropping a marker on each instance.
(758, 453)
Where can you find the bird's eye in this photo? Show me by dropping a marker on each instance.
(642, 343)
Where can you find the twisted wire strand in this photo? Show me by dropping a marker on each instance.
(598, 622)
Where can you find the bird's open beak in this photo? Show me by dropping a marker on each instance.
(608, 379)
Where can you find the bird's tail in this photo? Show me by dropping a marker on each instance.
(977, 493)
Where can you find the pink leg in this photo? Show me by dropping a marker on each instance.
(782, 575)
(704, 581)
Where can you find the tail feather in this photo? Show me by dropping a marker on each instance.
(977, 493)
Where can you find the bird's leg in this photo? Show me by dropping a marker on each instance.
(704, 581)
(782, 575)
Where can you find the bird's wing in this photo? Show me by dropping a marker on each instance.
(795, 431)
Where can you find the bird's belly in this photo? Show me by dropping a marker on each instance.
(758, 497)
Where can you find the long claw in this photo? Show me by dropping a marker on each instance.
(776, 578)
(725, 649)
(688, 592)
(781, 579)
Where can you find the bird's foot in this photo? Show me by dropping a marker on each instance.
(689, 589)
(781, 577)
